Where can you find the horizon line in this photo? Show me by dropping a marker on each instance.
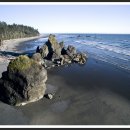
(82, 33)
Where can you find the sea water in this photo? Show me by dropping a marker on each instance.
(111, 48)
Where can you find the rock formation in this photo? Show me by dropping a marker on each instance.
(56, 52)
(24, 81)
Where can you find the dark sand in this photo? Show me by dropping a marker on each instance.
(96, 93)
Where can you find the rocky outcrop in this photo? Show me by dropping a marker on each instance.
(80, 58)
(51, 49)
(58, 55)
(71, 51)
(54, 47)
(24, 81)
(43, 51)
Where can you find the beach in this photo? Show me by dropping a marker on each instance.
(83, 97)
(96, 93)
(9, 49)
(11, 45)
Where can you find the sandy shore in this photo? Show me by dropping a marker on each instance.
(96, 93)
(10, 45)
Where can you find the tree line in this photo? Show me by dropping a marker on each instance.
(14, 31)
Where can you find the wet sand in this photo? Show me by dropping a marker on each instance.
(96, 93)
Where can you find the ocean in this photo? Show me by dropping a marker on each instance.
(111, 48)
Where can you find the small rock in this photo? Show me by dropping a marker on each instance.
(49, 96)
(58, 62)
(53, 65)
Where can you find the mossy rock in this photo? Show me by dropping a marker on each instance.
(21, 63)
(52, 39)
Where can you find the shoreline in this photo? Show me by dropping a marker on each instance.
(10, 45)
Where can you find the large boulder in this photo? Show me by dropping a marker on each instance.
(23, 82)
(53, 47)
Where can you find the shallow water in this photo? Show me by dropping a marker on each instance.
(111, 48)
(114, 49)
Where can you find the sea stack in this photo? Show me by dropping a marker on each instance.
(58, 54)
(23, 82)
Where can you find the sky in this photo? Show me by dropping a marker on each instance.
(70, 18)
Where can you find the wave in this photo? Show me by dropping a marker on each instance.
(103, 46)
(106, 60)
(111, 54)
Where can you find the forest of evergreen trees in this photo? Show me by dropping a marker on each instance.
(16, 31)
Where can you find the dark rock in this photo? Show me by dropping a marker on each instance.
(38, 50)
(80, 58)
(63, 51)
(37, 57)
(23, 82)
(54, 47)
(71, 51)
(83, 58)
(58, 54)
(44, 51)
(51, 49)
(66, 59)
(48, 64)
(1, 42)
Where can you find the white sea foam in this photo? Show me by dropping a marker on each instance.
(113, 54)
(103, 46)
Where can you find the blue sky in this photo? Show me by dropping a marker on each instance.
(69, 18)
